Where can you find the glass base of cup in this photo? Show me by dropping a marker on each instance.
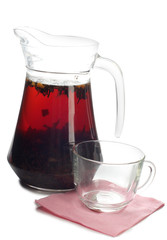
(104, 201)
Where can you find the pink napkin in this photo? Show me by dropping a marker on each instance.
(68, 206)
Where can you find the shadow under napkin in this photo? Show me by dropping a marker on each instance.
(68, 206)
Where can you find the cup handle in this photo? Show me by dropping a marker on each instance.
(151, 176)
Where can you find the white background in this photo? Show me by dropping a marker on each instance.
(131, 32)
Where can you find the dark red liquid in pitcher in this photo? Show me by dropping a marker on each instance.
(52, 118)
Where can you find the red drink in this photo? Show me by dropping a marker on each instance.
(52, 118)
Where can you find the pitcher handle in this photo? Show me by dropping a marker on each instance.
(113, 68)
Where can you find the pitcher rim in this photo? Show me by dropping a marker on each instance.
(84, 41)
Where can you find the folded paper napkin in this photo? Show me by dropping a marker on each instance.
(68, 206)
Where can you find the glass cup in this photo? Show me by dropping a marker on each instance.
(107, 174)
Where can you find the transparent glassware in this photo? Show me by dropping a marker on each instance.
(107, 174)
(57, 109)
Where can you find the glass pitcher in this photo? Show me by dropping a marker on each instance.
(56, 110)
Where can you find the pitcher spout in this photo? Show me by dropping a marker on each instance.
(54, 53)
(28, 36)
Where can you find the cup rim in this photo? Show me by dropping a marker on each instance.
(107, 163)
